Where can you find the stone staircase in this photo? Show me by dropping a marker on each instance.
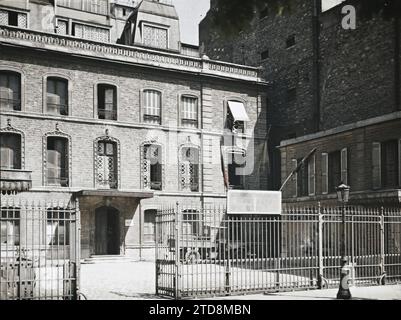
(108, 259)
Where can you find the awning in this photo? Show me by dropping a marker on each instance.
(238, 111)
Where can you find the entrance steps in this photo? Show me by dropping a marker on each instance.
(107, 259)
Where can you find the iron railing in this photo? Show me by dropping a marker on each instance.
(211, 253)
(39, 250)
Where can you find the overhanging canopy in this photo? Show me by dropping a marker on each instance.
(238, 111)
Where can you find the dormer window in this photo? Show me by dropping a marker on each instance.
(236, 117)
(154, 36)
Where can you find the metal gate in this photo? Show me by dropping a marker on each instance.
(39, 250)
(204, 252)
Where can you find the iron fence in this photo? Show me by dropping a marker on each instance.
(39, 250)
(205, 252)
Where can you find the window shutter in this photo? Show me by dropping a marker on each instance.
(376, 165)
(399, 163)
(325, 173)
(311, 175)
(3, 17)
(294, 177)
(344, 165)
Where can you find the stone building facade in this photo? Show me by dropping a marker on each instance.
(332, 89)
(122, 129)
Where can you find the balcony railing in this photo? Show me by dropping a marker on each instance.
(107, 114)
(57, 109)
(10, 104)
(127, 54)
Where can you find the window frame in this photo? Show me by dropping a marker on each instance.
(20, 73)
(144, 234)
(180, 111)
(17, 163)
(69, 93)
(15, 221)
(143, 106)
(96, 99)
(117, 160)
(145, 165)
(183, 174)
(226, 109)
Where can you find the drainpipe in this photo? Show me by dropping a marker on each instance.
(397, 84)
(317, 8)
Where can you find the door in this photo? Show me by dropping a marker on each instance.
(107, 231)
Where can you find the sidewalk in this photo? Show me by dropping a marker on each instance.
(136, 281)
(387, 292)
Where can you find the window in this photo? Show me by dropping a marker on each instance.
(107, 102)
(334, 170)
(291, 95)
(264, 55)
(10, 90)
(152, 106)
(58, 227)
(13, 18)
(57, 96)
(191, 224)
(106, 165)
(90, 33)
(152, 167)
(189, 112)
(189, 169)
(149, 226)
(235, 165)
(390, 164)
(10, 151)
(290, 42)
(154, 36)
(10, 226)
(236, 117)
(62, 27)
(57, 161)
(302, 179)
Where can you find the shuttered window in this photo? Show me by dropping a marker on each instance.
(154, 37)
(389, 163)
(57, 96)
(294, 164)
(57, 161)
(334, 168)
(189, 111)
(90, 33)
(152, 167)
(302, 179)
(10, 90)
(106, 165)
(152, 106)
(311, 176)
(189, 169)
(344, 165)
(10, 151)
(13, 18)
(325, 173)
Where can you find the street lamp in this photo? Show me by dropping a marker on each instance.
(343, 290)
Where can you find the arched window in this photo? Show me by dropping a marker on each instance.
(106, 164)
(152, 106)
(152, 169)
(189, 169)
(107, 102)
(57, 96)
(57, 161)
(10, 151)
(10, 90)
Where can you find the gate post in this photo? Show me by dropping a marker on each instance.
(77, 248)
(227, 271)
(382, 257)
(320, 245)
(177, 231)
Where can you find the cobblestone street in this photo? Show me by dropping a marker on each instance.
(118, 281)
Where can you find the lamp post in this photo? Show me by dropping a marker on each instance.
(343, 290)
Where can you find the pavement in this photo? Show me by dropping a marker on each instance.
(136, 281)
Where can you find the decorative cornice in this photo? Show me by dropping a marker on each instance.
(128, 54)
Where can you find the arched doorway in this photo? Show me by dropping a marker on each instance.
(107, 231)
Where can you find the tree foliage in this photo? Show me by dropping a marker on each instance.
(232, 16)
